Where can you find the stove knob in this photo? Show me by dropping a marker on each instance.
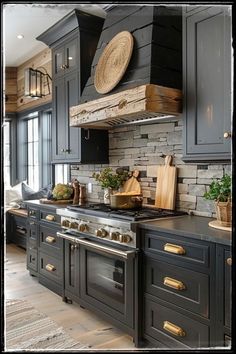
(73, 225)
(125, 238)
(114, 235)
(83, 227)
(65, 223)
(101, 232)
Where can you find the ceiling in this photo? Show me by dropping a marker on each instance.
(31, 20)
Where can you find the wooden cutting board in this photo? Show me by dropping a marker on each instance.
(132, 185)
(166, 185)
(60, 201)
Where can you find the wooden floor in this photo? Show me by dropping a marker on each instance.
(79, 323)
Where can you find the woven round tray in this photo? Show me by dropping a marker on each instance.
(113, 62)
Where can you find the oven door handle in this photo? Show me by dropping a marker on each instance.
(67, 236)
(109, 250)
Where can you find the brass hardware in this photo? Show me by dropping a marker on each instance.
(173, 283)
(65, 223)
(61, 67)
(73, 225)
(114, 235)
(50, 267)
(101, 232)
(125, 238)
(169, 247)
(50, 217)
(83, 227)
(229, 261)
(227, 135)
(176, 330)
(50, 239)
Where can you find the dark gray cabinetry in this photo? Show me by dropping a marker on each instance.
(73, 41)
(16, 229)
(178, 286)
(224, 295)
(71, 268)
(44, 249)
(207, 57)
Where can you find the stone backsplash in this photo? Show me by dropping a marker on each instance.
(143, 147)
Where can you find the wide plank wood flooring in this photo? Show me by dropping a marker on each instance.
(79, 323)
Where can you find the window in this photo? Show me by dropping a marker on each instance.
(62, 173)
(33, 153)
(7, 153)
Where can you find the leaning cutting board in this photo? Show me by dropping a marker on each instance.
(132, 184)
(166, 185)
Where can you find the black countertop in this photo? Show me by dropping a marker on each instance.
(189, 226)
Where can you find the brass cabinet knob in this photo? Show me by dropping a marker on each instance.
(173, 329)
(227, 135)
(50, 217)
(50, 239)
(229, 261)
(50, 267)
(176, 249)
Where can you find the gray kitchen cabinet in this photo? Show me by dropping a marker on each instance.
(207, 90)
(73, 41)
(16, 228)
(71, 269)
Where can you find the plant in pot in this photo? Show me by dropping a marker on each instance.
(220, 192)
(110, 181)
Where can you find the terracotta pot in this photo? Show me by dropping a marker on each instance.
(224, 213)
(125, 201)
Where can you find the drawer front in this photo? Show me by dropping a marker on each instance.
(32, 259)
(49, 242)
(50, 267)
(32, 231)
(174, 329)
(178, 249)
(33, 213)
(50, 217)
(184, 288)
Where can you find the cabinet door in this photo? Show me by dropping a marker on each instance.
(207, 77)
(72, 268)
(71, 61)
(227, 288)
(73, 149)
(59, 123)
(58, 61)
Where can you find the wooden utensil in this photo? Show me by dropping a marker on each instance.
(166, 185)
(132, 185)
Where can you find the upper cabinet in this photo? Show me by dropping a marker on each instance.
(207, 57)
(73, 41)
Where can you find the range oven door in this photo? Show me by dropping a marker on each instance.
(107, 280)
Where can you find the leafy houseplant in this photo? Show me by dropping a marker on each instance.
(220, 191)
(110, 180)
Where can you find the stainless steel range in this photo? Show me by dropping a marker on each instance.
(113, 226)
(102, 259)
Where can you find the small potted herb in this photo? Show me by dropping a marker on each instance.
(220, 192)
(110, 181)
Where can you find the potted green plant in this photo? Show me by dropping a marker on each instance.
(110, 181)
(220, 192)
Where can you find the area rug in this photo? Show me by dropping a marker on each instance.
(27, 328)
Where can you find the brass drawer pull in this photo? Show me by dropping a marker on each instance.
(50, 267)
(176, 330)
(169, 247)
(32, 223)
(50, 239)
(50, 217)
(229, 261)
(173, 283)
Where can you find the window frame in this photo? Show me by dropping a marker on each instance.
(12, 119)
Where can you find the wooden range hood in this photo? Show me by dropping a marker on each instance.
(151, 86)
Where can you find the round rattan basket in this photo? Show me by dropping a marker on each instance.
(224, 213)
(113, 62)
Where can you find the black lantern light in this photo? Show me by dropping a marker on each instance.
(36, 83)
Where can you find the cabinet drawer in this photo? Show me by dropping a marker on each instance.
(177, 248)
(32, 259)
(183, 287)
(33, 213)
(50, 267)
(172, 328)
(49, 242)
(50, 217)
(32, 231)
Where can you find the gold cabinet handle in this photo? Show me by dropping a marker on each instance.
(169, 247)
(50, 239)
(227, 135)
(50, 267)
(173, 283)
(172, 328)
(229, 261)
(50, 217)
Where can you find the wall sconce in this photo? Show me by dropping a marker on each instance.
(37, 83)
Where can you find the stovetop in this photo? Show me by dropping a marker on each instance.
(104, 210)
